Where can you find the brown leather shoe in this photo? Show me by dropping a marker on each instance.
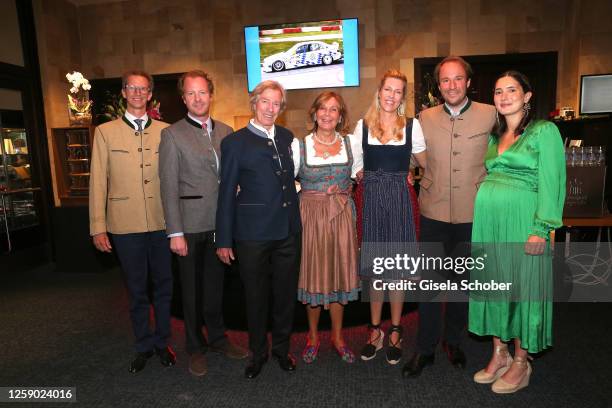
(230, 350)
(198, 365)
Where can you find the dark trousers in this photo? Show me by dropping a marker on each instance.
(455, 239)
(270, 268)
(142, 255)
(202, 275)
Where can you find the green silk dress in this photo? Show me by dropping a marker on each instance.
(522, 195)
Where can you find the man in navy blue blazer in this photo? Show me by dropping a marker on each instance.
(258, 214)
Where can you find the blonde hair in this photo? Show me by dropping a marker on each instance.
(342, 127)
(263, 86)
(372, 116)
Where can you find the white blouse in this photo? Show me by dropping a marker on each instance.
(356, 150)
(418, 140)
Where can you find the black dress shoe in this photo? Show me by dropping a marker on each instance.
(254, 367)
(455, 355)
(414, 367)
(286, 363)
(166, 356)
(140, 361)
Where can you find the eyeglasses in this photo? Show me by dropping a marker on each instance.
(136, 89)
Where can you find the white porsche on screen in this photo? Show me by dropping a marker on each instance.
(301, 55)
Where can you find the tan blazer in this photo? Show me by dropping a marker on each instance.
(124, 192)
(455, 160)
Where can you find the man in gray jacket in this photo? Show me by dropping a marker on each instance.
(189, 157)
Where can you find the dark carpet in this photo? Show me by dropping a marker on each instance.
(62, 329)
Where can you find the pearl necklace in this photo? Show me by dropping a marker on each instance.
(323, 150)
(333, 142)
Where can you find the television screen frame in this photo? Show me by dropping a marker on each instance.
(291, 71)
(582, 111)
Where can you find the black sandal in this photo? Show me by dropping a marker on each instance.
(394, 350)
(369, 350)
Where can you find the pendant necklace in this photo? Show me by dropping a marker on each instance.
(323, 151)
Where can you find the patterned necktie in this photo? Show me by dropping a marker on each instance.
(139, 124)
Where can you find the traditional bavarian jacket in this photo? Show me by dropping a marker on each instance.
(456, 146)
(124, 194)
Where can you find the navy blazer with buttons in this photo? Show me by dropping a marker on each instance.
(266, 207)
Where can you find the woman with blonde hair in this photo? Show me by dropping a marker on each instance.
(325, 161)
(388, 139)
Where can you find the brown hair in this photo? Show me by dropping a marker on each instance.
(263, 86)
(196, 73)
(453, 58)
(372, 117)
(136, 72)
(342, 126)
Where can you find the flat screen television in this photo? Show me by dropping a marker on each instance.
(318, 54)
(595, 94)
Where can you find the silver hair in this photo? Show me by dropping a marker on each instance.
(259, 89)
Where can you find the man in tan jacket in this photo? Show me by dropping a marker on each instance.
(456, 135)
(125, 203)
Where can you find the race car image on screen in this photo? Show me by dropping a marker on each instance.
(302, 54)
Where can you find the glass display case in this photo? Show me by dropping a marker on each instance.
(18, 197)
(72, 153)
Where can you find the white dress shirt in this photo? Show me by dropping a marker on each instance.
(456, 111)
(131, 118)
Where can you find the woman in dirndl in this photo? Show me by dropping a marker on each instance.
(389, 211)
(324, 164)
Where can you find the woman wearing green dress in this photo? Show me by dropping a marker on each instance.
(517, 206)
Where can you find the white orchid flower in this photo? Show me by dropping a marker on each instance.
(78, 81)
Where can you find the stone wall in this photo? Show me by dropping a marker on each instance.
(59, 50)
